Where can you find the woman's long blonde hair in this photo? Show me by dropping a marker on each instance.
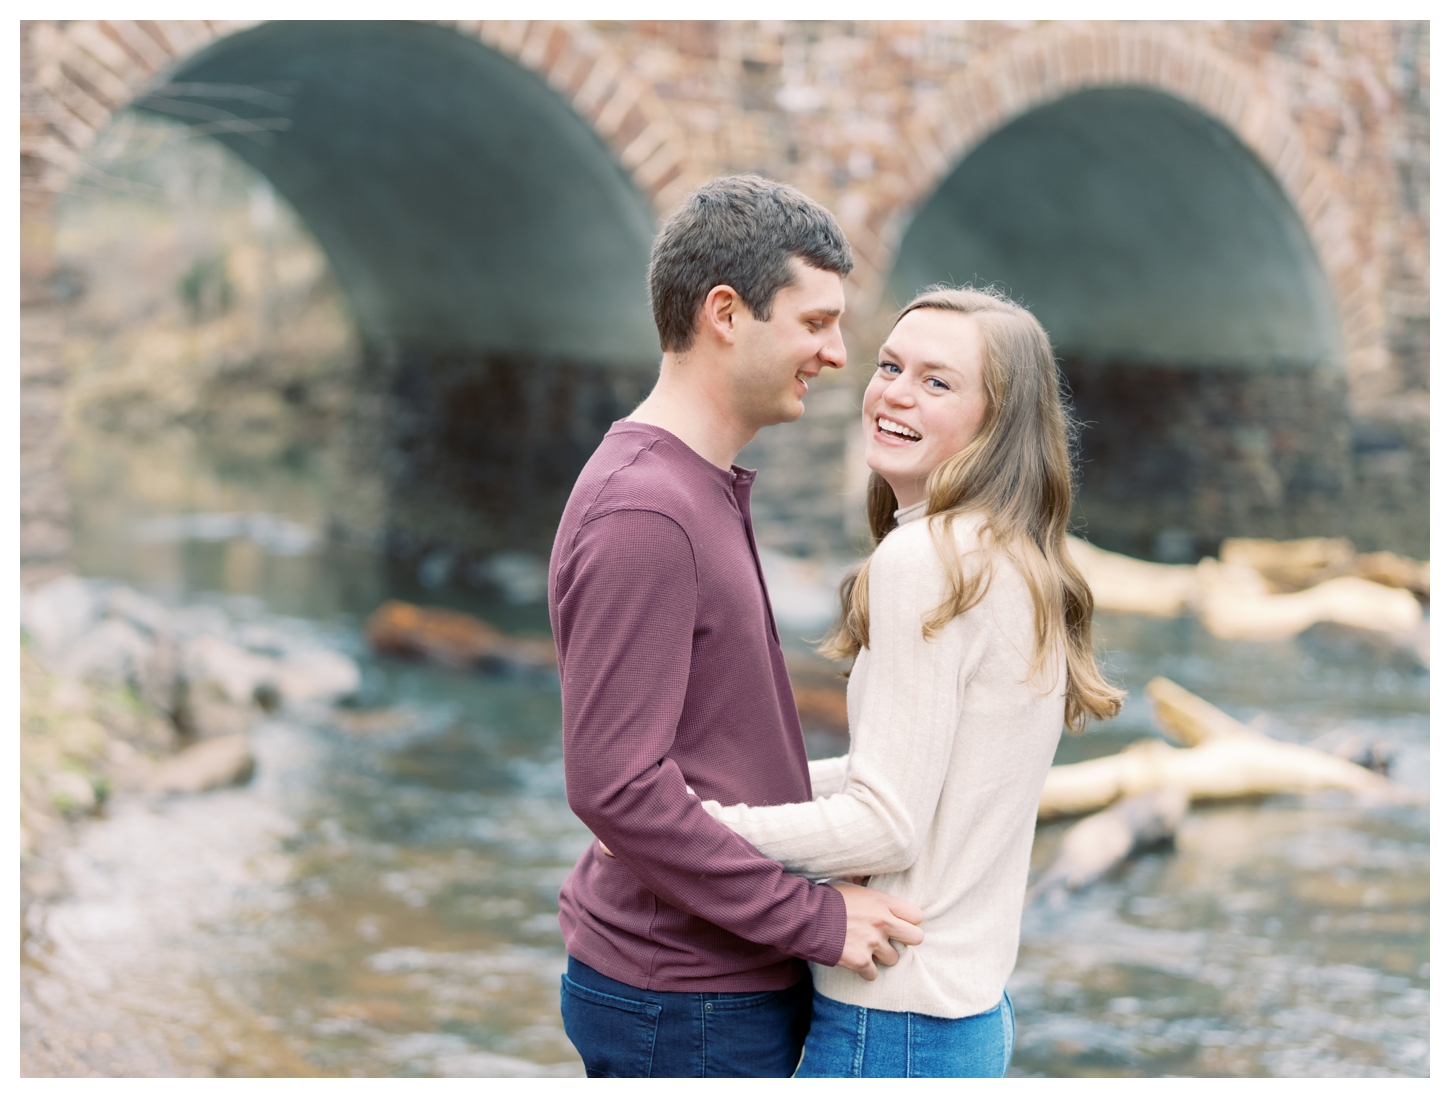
(1017, 475)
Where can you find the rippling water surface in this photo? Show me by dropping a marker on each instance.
(381, 899)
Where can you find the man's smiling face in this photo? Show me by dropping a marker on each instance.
(778, 358)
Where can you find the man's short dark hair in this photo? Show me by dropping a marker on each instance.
(738, 231)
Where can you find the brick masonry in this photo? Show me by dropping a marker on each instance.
(869, 117)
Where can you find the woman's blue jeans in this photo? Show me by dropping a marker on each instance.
(851, 1042)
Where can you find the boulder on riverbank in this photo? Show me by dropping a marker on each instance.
(182, 663)
(121, 695)
(211, 764)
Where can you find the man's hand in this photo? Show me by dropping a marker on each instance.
(872, 919)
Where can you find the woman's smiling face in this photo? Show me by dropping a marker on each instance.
(927, 399)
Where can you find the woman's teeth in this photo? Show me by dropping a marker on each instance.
(900, 430)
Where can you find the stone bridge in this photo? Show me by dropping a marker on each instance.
(1223, 226)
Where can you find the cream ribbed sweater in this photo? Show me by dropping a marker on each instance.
(937, 800)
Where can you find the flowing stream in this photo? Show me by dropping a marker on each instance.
(381, 899)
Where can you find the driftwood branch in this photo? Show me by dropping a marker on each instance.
(1139, 796)
(1270, 590)
(1188, 719)
(1229, 760)
(1093, 846)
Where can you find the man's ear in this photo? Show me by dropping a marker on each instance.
(720, 314)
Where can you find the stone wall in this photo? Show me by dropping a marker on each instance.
(44, 502)
(474, 453)
(870, 117)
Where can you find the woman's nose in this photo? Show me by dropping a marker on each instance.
(898, 392)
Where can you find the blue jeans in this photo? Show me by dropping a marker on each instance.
(851, 1042)
(623, 1032)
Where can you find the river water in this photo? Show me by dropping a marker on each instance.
(381, 899)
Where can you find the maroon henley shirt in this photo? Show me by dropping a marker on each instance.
(672, 675)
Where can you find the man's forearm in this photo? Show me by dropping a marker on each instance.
(662, 835)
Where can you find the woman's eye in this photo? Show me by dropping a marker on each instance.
(889, 367)
(937, 383)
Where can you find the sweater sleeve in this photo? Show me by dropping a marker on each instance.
(625, 628)
(828, 775)
(901, 743)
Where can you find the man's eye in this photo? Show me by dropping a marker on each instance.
(888, 367)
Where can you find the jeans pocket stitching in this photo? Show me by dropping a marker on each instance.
(648, 1012)
(749, 1001)
(603, 998)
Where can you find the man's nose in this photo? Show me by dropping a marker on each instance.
(833, 354)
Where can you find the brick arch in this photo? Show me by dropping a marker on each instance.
(1055, 61)
(86, 71)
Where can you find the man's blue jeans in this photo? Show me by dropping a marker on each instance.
(623, 1032)
(853, 1042)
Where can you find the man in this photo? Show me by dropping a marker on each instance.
(686, 945)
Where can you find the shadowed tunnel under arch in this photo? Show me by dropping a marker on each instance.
(492, 251)
(1196, 328)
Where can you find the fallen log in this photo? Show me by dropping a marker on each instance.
(1297, 565)
(1188, 719)
(1291, 565)
(1223, 769)
(1393, 570)
(454, 639)
(1231, 610)
(1132, 586)
(1229, 761)
(1093, 846)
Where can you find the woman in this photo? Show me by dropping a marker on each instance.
(972, 636)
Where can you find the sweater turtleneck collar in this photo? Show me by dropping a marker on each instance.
(911, 514)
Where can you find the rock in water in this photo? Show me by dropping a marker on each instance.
(232, 672)
(318, 675)
(211, 764)
(145, 614)
(112, 652)
(56, 613)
